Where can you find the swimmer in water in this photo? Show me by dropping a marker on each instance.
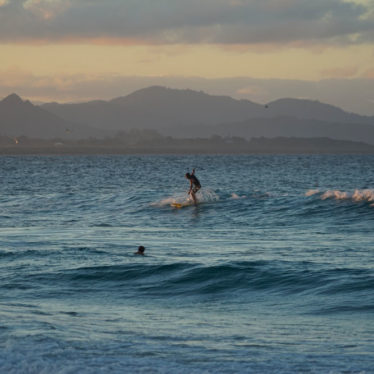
(141, 250)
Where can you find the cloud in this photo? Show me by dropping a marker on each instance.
(369, 73)
(189, 21)
(341, 72)
(46, 9)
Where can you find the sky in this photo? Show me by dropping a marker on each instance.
(260, 50)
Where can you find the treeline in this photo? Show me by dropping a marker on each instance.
(151, 141)
(131, 138)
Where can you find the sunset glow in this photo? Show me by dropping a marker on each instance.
(57, 44)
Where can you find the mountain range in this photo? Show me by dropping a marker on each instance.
(22, 118)
(182, 113)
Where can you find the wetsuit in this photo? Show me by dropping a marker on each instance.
(196, 184)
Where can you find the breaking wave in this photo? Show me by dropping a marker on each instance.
(365, 195)
(203, 196)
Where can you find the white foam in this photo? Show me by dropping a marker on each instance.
(335, 194)
(236, 196)
(205, 195)
(366, 195)
(311, 192)
(176, 199)
(357, 195)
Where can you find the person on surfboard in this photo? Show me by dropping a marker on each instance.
(194, 185)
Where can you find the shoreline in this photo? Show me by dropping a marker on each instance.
(106, 150)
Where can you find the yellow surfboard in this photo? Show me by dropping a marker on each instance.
(182, 205)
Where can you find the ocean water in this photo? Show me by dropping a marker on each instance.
(273, 272)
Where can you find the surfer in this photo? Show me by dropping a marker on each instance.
(194, 185)
(141, 250)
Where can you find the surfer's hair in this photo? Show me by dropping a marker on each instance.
(188, 175)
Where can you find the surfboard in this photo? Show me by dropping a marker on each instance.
(182, 205)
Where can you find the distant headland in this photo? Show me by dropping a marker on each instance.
(163, 120)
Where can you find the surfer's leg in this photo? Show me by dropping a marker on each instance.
(193, 197)
(193, 192)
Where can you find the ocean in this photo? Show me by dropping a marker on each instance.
(272, 272)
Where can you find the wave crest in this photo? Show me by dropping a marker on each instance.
(365, 195)
(197, 279)
(205, 195)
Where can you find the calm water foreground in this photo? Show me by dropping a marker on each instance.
(272, 273)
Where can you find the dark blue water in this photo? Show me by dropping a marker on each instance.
(272, 272)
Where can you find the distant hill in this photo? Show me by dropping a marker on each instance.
(97, 114)
(314, 110)
(158, 108)
(184, 113)
(161, 108)
(22, 118)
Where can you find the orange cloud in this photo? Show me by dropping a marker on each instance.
(78, 40)
(14, 76)
(369, 73)
(271, 47)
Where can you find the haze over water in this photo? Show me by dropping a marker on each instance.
(271, 273)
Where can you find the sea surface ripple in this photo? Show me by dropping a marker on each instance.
(272, 272)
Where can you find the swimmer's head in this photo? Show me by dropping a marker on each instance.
(188, 175)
